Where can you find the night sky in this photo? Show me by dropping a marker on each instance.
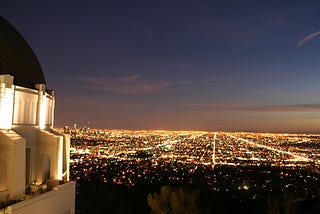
(181, 65)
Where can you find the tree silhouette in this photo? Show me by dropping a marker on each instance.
(174, 202)
(285, 204)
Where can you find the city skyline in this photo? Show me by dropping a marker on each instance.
(181, 65)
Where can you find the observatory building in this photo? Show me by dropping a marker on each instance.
(34, 159)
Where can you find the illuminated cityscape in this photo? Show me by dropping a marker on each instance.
(254, 164)
(239, 79)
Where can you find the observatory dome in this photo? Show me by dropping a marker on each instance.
(17, 57)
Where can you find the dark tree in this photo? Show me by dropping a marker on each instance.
(174, 201)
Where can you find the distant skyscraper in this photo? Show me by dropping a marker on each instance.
(34, 159)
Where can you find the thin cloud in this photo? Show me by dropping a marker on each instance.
(292, 108)
(133, 84)
(308, 38)
(224, 108)
(286, 108)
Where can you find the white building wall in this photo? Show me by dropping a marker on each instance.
(25, 106)
(32, 107)
(6, 101)
(31, 152)
(60, 200)
(30, 134)
(12, 155)
(52, 146)
(49, 111)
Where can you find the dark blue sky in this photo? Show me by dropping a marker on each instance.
(209, 65)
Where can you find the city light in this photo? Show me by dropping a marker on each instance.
(225, 161)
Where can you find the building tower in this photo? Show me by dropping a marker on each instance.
(34, 159)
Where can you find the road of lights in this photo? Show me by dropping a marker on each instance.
(297, 157)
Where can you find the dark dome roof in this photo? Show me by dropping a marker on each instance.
(17, 58)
